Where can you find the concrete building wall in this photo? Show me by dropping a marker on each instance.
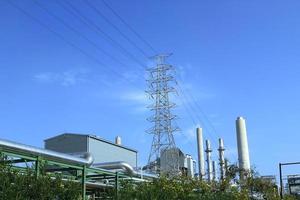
(105, 152)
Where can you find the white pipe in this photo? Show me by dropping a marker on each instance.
(121, 165)
(56, 156)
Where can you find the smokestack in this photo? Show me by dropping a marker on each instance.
(118, 140)
(200, 153)
(221, 158)
(214, 170)
(242, 144)
(208, 160)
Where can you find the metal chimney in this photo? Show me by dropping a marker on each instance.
(221, 158)
(201, 161)
(242, 144)
(118, 140)
(208, 160)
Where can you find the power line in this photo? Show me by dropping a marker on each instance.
(196, 106)
(190, 106)
(78, 33)
(73, 45)
(129, 27)
(94, 27)
(116, 28)
(203, 113)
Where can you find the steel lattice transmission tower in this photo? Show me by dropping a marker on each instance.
(160, 88)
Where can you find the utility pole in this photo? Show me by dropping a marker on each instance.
(161, 78)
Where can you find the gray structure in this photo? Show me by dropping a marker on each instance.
(170, 158)
(102, 150)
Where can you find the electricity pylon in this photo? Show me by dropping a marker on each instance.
(161, 78)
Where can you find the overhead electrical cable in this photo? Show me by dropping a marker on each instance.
(96, 10)
(97, 29)
(71, 44)
(193, 105)
(196, 106)
(94, 44)
(129, 27)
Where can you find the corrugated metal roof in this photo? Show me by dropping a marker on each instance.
(91, 136)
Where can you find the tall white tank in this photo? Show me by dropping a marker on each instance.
(242, 144)
(201, 162)
(208, 160)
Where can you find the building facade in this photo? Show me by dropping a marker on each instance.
(102, 150)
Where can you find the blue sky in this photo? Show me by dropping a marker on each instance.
(236, 57)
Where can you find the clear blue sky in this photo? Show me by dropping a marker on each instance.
(236, 57)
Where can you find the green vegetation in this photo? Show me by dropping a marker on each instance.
(184, 188)
(25, 185)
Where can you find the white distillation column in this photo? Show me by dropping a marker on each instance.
(208, 160)
(221, 158)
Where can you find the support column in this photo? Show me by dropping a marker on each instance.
(37, 166)
(117, 185)
(83, 185)
(280, 181)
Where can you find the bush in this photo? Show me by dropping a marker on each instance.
(17, 185)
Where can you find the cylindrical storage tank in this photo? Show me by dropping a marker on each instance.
(242, 144)
(118, 140)
(201, 162)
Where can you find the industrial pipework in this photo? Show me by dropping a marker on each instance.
(200, 148)
(118, 165)
(87, 159)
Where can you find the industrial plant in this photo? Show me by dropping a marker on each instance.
(98, 163)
